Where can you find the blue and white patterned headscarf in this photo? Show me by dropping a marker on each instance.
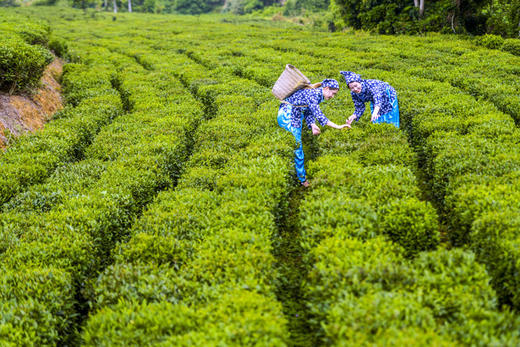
(331, 83)
(351, 77)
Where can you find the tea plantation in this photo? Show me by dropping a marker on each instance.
(160, 206)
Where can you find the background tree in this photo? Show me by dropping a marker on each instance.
(83, 4)
(503, 18)
(8, 3)
(295, 7)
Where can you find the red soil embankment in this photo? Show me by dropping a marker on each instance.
(22, 113)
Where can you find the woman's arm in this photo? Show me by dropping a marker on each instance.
(375, 114)
(378, 90)
(358, 111)
(351, 119)
(335, 126)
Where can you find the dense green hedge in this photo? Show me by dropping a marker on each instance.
(212, 233)
(497, 42)
(34, 157)
(23, 53)
(202, 251)
(461, 142)
(21, 65)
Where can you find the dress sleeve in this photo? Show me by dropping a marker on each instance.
(313, 112)
(359, 105)
(317, 114)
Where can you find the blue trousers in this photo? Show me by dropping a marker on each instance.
(284, 121)
(391, 117)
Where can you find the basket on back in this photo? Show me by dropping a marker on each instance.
(289, 81)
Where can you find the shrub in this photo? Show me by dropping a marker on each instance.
(58, 46)
(512, 46)
(490, 41)
(496, 240)
(33, 33)
(239, 317)
(36, 305)
(337, 216)
(21, 65)
(412, 224)
(397, 318)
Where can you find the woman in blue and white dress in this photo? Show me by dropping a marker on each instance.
(381, 95)
(304, 104)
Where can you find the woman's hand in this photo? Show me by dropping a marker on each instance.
(335, 126)
(315, 129)
(350, 120)
(375, 114)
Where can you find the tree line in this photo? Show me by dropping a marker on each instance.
(383, 16)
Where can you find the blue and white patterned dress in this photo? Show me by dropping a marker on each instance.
(303, 104)
(310, 98)
(381, 94)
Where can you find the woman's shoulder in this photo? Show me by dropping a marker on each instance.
(308, 93)
(376, 83)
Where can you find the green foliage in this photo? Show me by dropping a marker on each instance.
(37, 306)
(447, 16)
(233, 319)
(166, 220)
(491, 41)
(383, 16)
(296, 7)
(9, 3)
(21, 65)
(512, 46)
(412, 224)
(33, 33)
(495, 239)
(191, 7)
(23, 54)
(58, 46)
(503, 18)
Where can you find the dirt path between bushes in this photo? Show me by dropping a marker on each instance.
(22, 113)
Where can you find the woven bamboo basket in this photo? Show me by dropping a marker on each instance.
(289, 81)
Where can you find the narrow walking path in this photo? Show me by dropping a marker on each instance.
(290, 266)
(292, 272)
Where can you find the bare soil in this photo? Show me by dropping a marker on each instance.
(23, 113)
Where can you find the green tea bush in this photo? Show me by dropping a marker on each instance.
(239, 317)
(468, 204)
(72, 179)
(512, 46)
(41, 298)
(33, 33)
(412, 224)
(430, 295)
(21, 65)
(338, 216)
(396, 318)
(33, 158)
(490, 41)
(495, 239)
(58, 46)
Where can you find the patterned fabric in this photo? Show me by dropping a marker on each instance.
(284, 121)
(351, 77)
(310, 99)
(377, 92)
(391, 117)
(331, 83)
